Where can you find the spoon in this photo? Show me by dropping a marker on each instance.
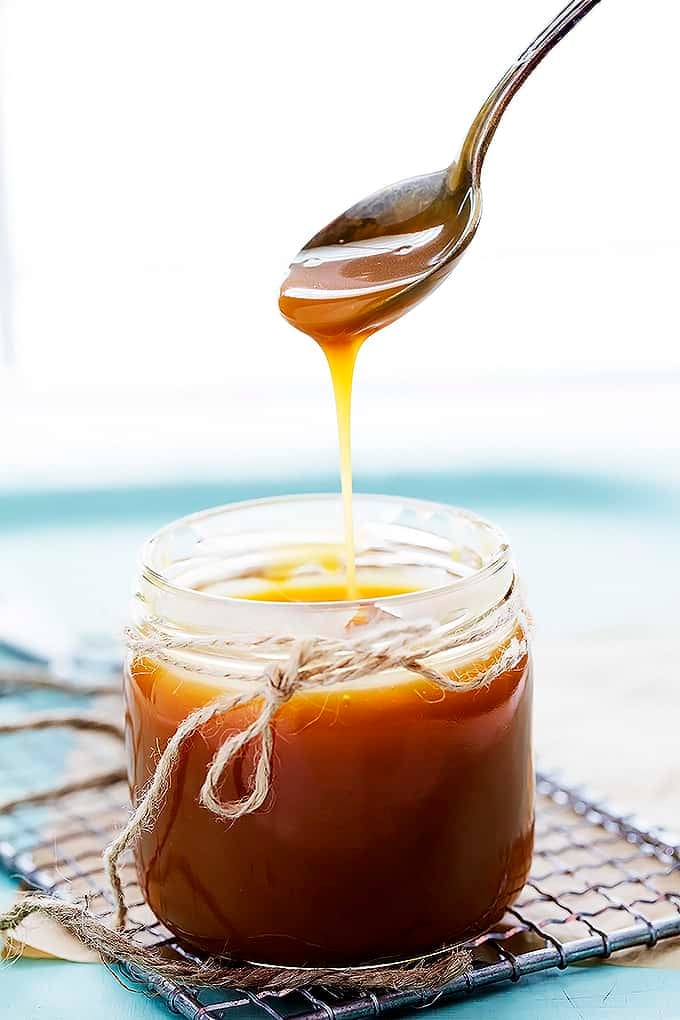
(387, 252)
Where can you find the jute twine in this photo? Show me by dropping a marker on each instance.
(118, 947)
(39, 679)
(299, 665)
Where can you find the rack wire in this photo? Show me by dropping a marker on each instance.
(601, 882)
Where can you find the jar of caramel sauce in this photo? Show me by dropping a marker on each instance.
(399, 818)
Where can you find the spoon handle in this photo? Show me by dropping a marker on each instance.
(484, 126)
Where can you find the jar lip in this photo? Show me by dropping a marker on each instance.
(496, 562)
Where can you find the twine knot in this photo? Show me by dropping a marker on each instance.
(283, 679)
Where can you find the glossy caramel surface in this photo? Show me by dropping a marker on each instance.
(400, 818)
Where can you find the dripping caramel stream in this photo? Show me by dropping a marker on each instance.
(341, 356)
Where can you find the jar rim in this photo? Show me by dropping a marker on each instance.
(499, 558)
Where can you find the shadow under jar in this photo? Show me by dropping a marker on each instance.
(400, 815)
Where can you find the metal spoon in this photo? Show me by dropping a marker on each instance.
(384, 254)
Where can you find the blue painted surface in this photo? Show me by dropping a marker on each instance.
(54, 990)
(74, 554)
(482, 491)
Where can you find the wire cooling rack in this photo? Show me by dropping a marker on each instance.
(600, 882)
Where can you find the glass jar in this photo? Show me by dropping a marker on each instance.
(399, 817)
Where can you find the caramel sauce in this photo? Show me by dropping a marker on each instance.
(400, 816)
(341, 356)
(343, 291)
(339, 295)
(299, 590)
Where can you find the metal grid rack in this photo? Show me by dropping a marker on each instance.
(600, 882)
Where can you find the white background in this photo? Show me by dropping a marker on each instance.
(164, 161)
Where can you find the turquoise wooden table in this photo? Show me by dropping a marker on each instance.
(70, 557)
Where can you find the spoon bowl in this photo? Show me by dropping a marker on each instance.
(384, 253)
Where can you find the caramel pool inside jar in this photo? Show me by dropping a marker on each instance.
(399, 820)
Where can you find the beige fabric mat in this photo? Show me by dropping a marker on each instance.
(608, 713)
